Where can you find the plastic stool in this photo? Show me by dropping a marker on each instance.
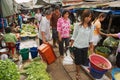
(11, 46)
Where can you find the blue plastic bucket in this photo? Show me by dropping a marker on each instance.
(96, 73)
(115, 70)
(34, 52)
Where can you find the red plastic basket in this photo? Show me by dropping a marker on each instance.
(96, 59)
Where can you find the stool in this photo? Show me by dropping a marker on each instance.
(11, 46)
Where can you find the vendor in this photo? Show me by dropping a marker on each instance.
(15, 27)
(117, 35)
(9, 37)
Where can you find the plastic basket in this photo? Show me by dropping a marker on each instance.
(96, 73)
(115, 70)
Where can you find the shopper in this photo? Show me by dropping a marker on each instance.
(44, 28)
(20, 20)
(63, 28)
(38, 16)
(97, 28)
(117, 35)
(55, 16)
(81, 40)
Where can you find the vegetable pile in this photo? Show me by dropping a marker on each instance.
(36, 70)
(8, 70)
(103, 49)
(28, 30)
(111, 42)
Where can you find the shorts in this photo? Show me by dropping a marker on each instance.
(80, 55)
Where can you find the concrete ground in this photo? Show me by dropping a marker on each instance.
(58, 71)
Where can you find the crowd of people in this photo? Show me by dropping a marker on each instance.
(86, 34)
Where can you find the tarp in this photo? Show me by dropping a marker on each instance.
(113, 12)
(41, 2)
(7, 8)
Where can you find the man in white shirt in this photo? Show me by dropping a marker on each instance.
(44, 28)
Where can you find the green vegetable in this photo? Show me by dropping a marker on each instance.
(28, 29)
(111, 42)
(36, 70)
(8, 70)
(103, 49)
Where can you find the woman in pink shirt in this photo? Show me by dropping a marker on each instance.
(63, 28)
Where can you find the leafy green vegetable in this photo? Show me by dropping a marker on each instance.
(103, 49)
(28, 29)
(111, 42)
(36, 70)
(8, 70)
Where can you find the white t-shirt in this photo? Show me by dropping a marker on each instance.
(82, 36)
(38, 16)
(45, 27)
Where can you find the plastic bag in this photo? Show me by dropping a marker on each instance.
(111, 42)
(67, 58)
(112, 58)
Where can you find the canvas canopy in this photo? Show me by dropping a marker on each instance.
(8, 7)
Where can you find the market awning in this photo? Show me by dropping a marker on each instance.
(41, 2)
(115, 12)
(101, 10)
(114, 4)
(8, 7)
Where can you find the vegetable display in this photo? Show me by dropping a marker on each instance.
(36, 70)
(28, 30)
(103, 49)
(8, 70)
(111, 42)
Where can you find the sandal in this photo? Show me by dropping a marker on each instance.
(78, 77)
